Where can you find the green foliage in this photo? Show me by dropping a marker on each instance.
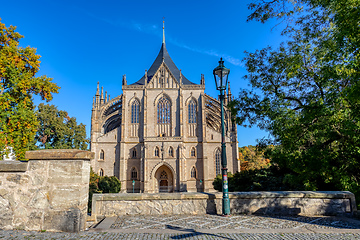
(18, 83)
(306, 93)
(103, 184)
(56, 130)
(271, 178)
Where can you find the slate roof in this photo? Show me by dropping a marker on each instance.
(163, 54)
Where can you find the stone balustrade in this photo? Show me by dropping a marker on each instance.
(49, 192)
(286, 202)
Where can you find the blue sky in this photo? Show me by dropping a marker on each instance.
(83, 42)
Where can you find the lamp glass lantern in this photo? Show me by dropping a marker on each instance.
(221, 74)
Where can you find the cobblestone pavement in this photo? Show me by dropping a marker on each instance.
(233, 222)
(208, 227)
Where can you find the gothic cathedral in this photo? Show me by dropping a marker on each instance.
(162, 134)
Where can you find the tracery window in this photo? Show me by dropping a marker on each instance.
(135, 109)
(192, 111)
(193, 172)
(102, 155)
(163, 175)
(134, 173)
(156, 152)
(218, 161)
(192, 152)
(163, 110)
(101, 172)
(171, 152)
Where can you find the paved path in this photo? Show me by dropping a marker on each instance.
(209, 227)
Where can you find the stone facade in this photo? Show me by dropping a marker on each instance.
(162, 134)
(49, 192)
(284, 203)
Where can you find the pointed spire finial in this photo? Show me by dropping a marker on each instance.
(163, 30)
(124, 82)
(97, 90)
(102, 94)
(180, 78)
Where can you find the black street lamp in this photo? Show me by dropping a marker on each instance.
(221, 74)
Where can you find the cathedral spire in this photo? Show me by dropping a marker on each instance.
(97, 89)
(163, 57)
(163, 32)
(102, 95)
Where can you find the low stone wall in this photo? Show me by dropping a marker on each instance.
(299, 202)
(49, 192)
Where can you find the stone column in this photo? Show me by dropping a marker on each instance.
(207, 180)
(146, 175)
(181, 174)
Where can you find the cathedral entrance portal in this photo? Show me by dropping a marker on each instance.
(164, 179)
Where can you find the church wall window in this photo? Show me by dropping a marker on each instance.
(163, 175)
(163, 111)
(157, 154)
(193, 152)
(193, 172)
(192, 111)
(171, 152)
(102, 155)
(218, 161)
(101, 172)
(135, 109)
(133, 153)
(134, 174)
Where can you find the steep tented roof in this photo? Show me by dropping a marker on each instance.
(163, 55)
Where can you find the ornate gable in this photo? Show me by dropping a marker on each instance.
(163, 78)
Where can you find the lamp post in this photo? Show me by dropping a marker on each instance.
(221, 74)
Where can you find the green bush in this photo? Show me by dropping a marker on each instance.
(100, 184)
(265, 179)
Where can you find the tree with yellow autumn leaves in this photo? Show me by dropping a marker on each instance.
(18, 84)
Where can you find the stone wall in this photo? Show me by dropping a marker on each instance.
(49, 192)
(304, 202)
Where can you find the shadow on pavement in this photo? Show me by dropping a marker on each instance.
(191, 233)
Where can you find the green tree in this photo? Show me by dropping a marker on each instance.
(57, 130)
(306, 93)
(18, 83)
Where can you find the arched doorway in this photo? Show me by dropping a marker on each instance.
(164, 179)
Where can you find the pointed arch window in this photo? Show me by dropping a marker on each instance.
(192, 111)
(134, 153)
(101, 172)
(218, 161)
(193, 172)
(157, 152)
(171, 152)
(135, 110)
(134, 173)
(102, 155)
(193, 152)
(163, 111)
